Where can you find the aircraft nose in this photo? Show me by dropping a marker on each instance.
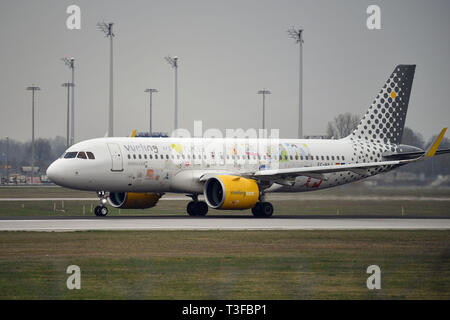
(55, 172)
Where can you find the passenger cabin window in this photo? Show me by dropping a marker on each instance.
(70, 155)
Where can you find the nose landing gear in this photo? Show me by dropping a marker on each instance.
(101, 211)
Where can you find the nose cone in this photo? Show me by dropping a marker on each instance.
(55, 172)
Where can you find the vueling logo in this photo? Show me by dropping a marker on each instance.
(243, 193)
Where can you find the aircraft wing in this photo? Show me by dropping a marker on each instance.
(317, 172)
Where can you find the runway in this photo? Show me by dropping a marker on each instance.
(220, 223)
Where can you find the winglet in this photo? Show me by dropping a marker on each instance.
(433, 148)
(133, 134)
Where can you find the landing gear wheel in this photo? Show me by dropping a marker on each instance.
(202, 208)
(197, 208)
(262, 210)
(256, 210)
(267, 210)
(191, 208)
(101, 211)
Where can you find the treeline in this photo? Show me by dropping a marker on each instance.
(18, 154)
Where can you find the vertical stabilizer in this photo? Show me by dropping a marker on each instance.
(385, 119)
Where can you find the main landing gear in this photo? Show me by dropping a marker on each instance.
(262, 210)
(101, 211)
(197, 208)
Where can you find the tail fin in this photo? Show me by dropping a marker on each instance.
(385, 119)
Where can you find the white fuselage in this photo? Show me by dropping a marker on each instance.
(176, 164)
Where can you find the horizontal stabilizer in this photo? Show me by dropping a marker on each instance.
(442, 151)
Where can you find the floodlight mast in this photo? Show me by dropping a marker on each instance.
(297, 35)
(264, 92)
(71, 64)
(174, 63)
(68, 85)
(33, 88)
(107, 29)
(151, 91)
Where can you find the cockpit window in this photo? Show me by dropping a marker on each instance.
(81, 155)
(90, 155)
(70, 155)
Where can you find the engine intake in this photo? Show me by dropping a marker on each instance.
(133, 200)
(231, 192)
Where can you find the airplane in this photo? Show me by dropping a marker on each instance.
(236, 174)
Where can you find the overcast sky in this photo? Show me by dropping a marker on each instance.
(228, 50)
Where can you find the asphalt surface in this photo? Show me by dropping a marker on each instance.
(221, 223)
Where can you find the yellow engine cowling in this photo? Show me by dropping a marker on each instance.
(231, 192)
(133, 200)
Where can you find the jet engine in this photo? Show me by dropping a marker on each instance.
(133, 200)
(231, 192)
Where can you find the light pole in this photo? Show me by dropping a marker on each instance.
(151, 91)
(71, 64)
(174, 63)
(7, 160)
(264, 92)
(107, 29)
(297, 35)
(33, 88)
(68, 85)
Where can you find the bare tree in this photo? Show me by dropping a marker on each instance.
(412, 138)
(342, 125)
